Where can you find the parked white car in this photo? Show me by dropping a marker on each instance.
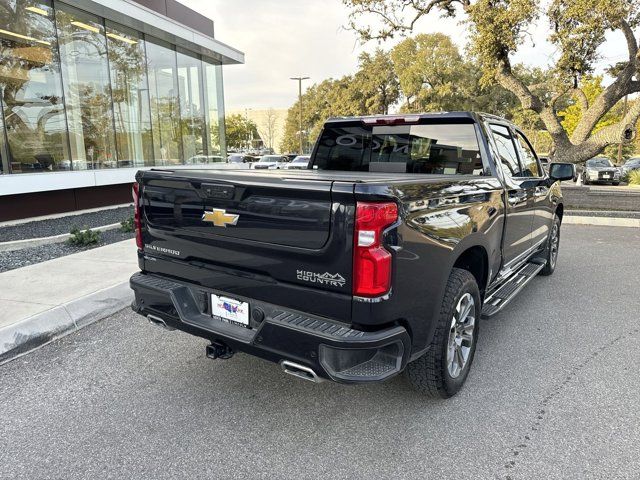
(271, 162)
(301, 162)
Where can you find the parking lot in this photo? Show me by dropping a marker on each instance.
(554, 393)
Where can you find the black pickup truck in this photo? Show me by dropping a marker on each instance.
(379, 258)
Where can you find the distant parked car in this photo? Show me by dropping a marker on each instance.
(630, 165)
(239, 158)
(271, 162)
(201, 159)
(601, 170)
(299, 163)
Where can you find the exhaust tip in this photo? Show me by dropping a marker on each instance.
(300, 371)
(159, 322)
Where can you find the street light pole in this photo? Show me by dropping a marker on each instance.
(300, 79)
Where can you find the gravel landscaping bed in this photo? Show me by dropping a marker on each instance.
(29, 256)
(57, 226)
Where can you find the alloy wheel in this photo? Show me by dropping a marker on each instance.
(461, 335)
(554, 244)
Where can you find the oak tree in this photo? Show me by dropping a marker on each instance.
(497, 28)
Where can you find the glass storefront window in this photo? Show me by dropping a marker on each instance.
(191, 94)
(130, 92)
(85, 76)
(79, 92)
(165, 107)
(30, 88)
(214, 110)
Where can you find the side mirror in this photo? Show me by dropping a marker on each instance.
(562, 171)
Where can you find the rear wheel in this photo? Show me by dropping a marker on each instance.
(443, 369)
(553, 246)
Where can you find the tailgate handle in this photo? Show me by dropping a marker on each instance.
(216, 190)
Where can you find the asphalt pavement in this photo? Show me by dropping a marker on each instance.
(554, 393)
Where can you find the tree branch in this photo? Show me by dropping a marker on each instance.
(621, 132)
(506, 78)
(632, 44)
(395, 24)
(583, 101)
(621, 86)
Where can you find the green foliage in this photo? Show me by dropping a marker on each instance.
(127, 225)
(240, 132)
(375, 85)
(580, 28)
(634, 178)
(429, 67)
(497, 30)
(373, 89)
(428, 72)
(82, 238)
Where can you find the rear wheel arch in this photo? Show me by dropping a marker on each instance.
(475, 260)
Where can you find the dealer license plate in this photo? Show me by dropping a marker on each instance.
(230, 310)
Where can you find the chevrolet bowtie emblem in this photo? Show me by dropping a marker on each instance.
(219, 217)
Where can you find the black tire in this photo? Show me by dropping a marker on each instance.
(430, 374)
(585, 181)
(615, 184)
(550, 255)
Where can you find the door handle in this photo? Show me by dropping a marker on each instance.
(540, 192)
(517, 197)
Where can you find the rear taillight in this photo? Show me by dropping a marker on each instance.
(371, 261)
(137, 223)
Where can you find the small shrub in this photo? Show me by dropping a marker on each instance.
(634, 178)
(127, 225)
(82, 238)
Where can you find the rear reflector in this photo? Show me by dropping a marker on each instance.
(371, 261)
(137, 222)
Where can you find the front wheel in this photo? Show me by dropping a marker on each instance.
(552, 248)
(443, 369)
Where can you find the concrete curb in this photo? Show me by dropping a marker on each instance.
(601, 221)
(23, 337)
(36, 242)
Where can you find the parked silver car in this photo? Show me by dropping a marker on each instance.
(601, 170)
(630, 165)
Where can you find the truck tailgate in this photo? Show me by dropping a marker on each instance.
(292, 213)
(247, 233)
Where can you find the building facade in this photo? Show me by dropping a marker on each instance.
(92, 91)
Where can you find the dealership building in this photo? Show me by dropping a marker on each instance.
(94, 90)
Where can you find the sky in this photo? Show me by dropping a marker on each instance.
(291, 38)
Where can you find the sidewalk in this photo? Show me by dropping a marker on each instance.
(44, 301)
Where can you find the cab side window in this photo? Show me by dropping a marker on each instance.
(506, 150)
(530, 167)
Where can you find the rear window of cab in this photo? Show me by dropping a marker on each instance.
(438, 148)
